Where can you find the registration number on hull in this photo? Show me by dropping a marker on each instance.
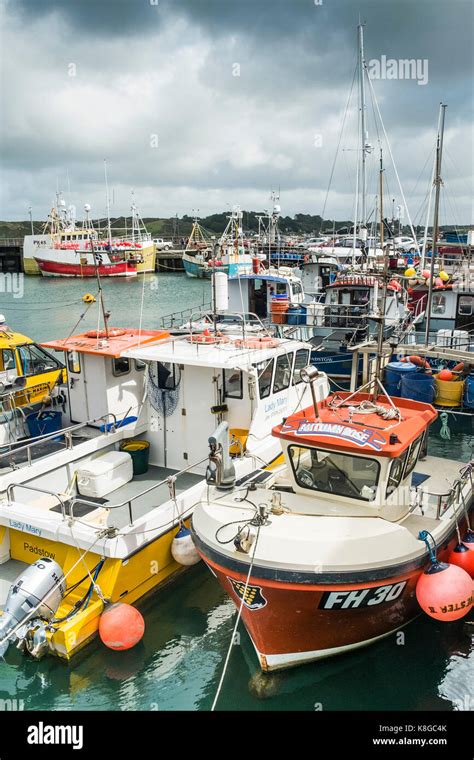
(363, 597)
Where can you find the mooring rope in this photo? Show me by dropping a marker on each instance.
(236, 624)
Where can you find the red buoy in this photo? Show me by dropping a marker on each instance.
(445, 592)
(121, 626)
(462, 557)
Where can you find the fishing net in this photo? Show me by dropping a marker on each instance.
(163, 388)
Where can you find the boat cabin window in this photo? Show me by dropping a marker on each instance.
(296, 289)
(360, 297)
(168, 376)
(139, 365)
(413, 455)
(439, 303)
(283, 367)
(265, 374)
(332, 472)
(466, 305)
(233, 383)
(301, 361)
(35, 360)
(395, 473)
(120, 366)
(74, 362)
(7, 360)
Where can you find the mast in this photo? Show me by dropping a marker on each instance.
(437, 182)
(363, 130)
(109, 231)
(378, 361)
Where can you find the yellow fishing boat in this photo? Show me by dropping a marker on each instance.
(29, 375)
(96, 512)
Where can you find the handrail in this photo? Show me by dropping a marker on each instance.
(66, 432)
(455, 493)
(12, 487)
(128, 502)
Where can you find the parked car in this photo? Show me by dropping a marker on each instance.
(163, 245)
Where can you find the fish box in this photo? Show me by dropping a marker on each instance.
(105, 474)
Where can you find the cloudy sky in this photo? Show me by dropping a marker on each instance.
(202, 104)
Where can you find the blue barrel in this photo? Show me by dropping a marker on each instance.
(296, 315)
(394, 371)
(469, 392)
(43, 423)
(418, 386)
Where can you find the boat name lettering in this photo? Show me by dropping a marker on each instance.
(363, 597)
(363, 437)
(25, 527)
(36, 550)
(275, 405)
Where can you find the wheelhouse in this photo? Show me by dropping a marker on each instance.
(354, 449)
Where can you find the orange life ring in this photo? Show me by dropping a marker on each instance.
(207, 338)
(419, 362)
(394, 285)
(114, 332)
(264, 342)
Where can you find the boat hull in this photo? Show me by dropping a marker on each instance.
(293, 622)
(66, 269)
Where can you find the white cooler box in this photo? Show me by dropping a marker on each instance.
(105, 474)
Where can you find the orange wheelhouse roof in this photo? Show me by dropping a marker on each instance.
(349, 429)
(119, 340)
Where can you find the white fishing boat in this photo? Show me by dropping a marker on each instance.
(102, 527)
(340, 546)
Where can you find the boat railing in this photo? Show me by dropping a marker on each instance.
(61, 501)
(63, 436)
(176, 318)
(455, 496)
(346, 315)
(170, 481)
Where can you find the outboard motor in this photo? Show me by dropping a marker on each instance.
(220, 471)
(34, 596)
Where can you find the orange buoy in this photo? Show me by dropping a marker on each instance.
(444, 591)
(446, 375)
(462, 557)
(121, 626)
(459, 367)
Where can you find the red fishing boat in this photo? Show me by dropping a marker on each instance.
(62, 262)
(323, 555)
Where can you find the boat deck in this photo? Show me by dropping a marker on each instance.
(119, 516)
(22, 453)
(436, 475)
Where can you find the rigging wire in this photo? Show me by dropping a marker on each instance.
(338, 145)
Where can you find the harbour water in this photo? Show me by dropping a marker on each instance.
(189, 623)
